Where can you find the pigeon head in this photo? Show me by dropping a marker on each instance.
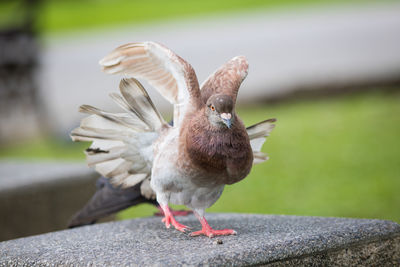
(219, 110)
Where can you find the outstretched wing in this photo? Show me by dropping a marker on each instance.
(122, 142)
(169, 74)
(226, 79)
(258, 133)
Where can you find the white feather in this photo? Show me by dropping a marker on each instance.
(122, 147)
(257, 143)
(258, 134)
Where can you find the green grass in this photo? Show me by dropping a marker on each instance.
(335, 157)
(63, 15)
(50, 148)
(331, 157)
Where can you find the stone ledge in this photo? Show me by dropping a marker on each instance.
(18, 175)
(261, 240)
(44, 194)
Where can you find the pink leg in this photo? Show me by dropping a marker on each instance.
(208, 231)
(169, 219)
(173, 212)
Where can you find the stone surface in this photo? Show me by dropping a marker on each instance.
(39, 197)
(261, 240)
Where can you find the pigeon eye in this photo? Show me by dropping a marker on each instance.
(212, 108)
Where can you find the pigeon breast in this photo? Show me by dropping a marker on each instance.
(220, 155)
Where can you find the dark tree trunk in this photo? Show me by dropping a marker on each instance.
(19, 101)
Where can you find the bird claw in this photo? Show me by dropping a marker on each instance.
(212, 233)
(167, 223)
(170, 220)
(181, 227)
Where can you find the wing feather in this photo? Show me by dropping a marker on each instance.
(138, 100)
(107, 120)
(226, 79)
(122, 142)
(258, 134)
(261, 129)
(169, 74)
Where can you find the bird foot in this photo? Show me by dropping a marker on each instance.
(168, 220)
(211, 232)
(208, 231)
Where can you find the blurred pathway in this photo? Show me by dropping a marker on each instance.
(286, 50)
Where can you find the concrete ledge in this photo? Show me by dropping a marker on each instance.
(261, 240)
(39, 197)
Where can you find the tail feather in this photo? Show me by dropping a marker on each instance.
(121, 146)
(108, 200)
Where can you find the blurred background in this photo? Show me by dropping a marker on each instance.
(329, 71)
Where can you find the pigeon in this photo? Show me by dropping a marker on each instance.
(188, 163)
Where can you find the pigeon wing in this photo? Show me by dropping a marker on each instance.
(121, 146)
(169, 74)
(258, 133)
(226, 79)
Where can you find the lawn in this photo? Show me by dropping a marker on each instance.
(61, 15)
(45, 148)
(332, 157)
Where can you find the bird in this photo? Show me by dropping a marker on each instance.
(188, 163)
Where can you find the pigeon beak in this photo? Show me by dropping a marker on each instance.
(226, 119)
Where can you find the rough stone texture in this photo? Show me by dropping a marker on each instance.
(39, 197)
(261, 240)
(377, 253)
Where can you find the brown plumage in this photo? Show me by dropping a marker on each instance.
(226, 79)
(189, 163)
(218, 150)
